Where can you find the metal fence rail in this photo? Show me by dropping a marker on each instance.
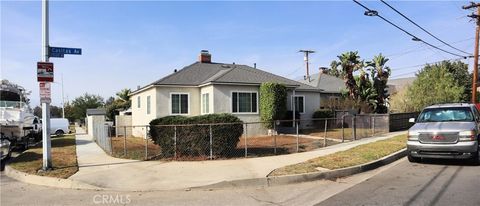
(235, 140)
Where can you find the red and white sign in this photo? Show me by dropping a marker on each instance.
(45, 92)
(44, 71)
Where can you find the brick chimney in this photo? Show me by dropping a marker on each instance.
(205, 57)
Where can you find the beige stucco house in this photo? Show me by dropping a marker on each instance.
(206, 87)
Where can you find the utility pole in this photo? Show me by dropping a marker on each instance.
(46, 144)
(475, 61)
(306, 52)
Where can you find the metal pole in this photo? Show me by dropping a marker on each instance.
(211, 143)
(325, 134)
(296, 128)
(274, 139)
(343, 128)
(63, 101)
(125, 142)
(246, 135)
(146, 143)
(293, 107)
(46, 144)
(354, 128)
(175, 142)
(373, 126)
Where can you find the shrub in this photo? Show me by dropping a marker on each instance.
(323, 113)
(194, 139)
(273, 102)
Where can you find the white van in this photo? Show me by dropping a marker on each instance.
(59, 126)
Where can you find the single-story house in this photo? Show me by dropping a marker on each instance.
(206, 87)
(330, 87)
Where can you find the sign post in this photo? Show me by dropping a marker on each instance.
(47, 69)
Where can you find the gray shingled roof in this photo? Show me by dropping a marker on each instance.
(203, 73)
(325, 82)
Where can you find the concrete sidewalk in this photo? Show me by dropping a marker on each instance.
(99, 169)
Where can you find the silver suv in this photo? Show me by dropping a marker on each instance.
(445, 131)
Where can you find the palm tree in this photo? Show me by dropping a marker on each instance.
(124, 95)
(350, 62)
(380, 74)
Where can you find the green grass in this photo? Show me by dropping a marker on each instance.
(355, 156)
(64, 159)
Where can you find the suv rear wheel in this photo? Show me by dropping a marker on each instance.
(413, 159)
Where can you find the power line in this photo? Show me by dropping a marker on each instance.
(422, 49)
(422, 65)
(370, 12)
(411, 21)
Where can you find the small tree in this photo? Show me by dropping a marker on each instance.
(273, 102)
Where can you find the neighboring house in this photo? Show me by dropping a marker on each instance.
(331, 87)
(205, 87)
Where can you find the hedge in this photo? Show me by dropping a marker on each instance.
(323, 113)
(273, 103)
(194, 140)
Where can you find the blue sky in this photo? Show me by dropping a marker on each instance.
(126, 44)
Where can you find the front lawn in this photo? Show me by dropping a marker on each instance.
(355, 156)
(64, 159)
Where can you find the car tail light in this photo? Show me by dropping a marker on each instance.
(467, 135)
(412, 136)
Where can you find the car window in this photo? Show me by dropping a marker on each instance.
(460, 114)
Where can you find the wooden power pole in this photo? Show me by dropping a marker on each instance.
(475, 61)
(306, 52)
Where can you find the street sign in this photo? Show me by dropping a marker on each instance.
(60, 51)
(44, 71)
(57, 55)
(45, 92)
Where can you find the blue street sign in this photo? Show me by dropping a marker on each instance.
(57, 55)
(60, 51)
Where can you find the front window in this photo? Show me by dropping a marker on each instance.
(138, 102)
(179, 103)
(205, 103)
(244, 102)
(447, 114)
(300, 104)
(148, 104)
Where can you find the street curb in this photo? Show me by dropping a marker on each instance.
(47, 181)
(290, 179)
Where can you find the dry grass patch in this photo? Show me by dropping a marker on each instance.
(355, 156)
(64, 159)
(135, 148)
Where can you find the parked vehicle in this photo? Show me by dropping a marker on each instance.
(19, 127)
(59, 126)
(445, 131)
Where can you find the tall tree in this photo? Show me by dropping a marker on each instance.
(80, 105)
(334, 70)
(350, 62)
(434, 85)
(380, 74)
(459, 71)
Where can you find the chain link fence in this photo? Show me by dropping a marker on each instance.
(235, 140)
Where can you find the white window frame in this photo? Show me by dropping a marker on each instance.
(149, 105)
(295, 103)
(171, 102)
(139, 103)
(201, 103)
(238, 107)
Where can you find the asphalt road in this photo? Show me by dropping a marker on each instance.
(400, 183)
(438, 182)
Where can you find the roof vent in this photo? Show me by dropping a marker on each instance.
(175, 71)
